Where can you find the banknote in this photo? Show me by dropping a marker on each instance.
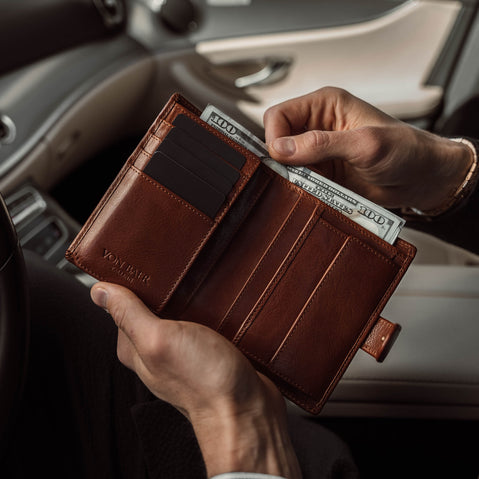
(371, 216)
(374, 218)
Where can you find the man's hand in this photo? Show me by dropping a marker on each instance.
(367, 151)
(238, 415)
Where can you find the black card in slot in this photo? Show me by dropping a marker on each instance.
(204, 154)
(191, 163)
(210, 141)
(185, 184)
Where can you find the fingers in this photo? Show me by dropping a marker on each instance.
(317, 146)
(328, 108)
(294, 116)
(128, 311)
(135, 321)
(322, 125)
(285, 126)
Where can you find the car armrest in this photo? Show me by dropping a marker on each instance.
(433, 368)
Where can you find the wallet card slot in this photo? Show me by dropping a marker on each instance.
(193, 163)
(209, 140)
(218, 243)
(204, 155)
(335, 319)
(184, 183)
(242, 254)
(151, 240)
(276, 257)
(123, 251)
(297, 283)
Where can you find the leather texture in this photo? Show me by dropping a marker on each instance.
(381, 338)
(295, 285)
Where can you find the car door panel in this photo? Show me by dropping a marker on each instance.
(385, 61)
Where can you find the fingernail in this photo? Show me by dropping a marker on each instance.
(285, 146)
(100, 297)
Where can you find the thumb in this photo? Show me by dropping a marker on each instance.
(127, 310)
(316, 146)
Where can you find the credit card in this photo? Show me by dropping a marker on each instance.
(191, 163)
(185, 184)
(204, 154)
(210, 140)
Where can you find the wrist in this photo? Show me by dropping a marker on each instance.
(451, 180)
(253, 438)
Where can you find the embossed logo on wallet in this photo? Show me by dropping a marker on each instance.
(121, 267)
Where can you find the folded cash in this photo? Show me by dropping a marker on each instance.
(374, 218)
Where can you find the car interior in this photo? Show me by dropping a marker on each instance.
(82, 80)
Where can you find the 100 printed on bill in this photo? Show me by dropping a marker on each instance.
(383, 223)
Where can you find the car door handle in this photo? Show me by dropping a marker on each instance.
(273, 70)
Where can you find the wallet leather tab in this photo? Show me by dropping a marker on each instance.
(201, 230)
(381, 339)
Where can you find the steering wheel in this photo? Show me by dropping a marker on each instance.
(14, 324)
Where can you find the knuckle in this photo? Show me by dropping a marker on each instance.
(268, 113)
(315, 139)
(373, 138)
(328, 90)
(373, 141)
(334, 92)
(271, 113)
(155, 347)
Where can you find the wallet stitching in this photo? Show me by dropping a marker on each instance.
(245, 152)
(201, 240)
(287, 392)
(180, 276)
(355, 346)
(140, 173)
(193, 256)
(313, 298)
(86, 268)
(253, 200)
(384, 244)
(245, 173)
(407, 251)
(299, 242)
(277, 373)
(118, 180)
(376, 347)
(259, 267)
(109, 193)
(276, 277)
(372, 319)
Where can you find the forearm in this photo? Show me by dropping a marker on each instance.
(256, 440)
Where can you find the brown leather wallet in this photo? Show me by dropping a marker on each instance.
(201, 230)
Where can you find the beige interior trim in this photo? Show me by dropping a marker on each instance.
(384, 61)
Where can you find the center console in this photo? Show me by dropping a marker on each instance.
(44, 227)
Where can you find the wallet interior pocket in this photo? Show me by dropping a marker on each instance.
(217, 244)
(242, 254)
(312, 261)
(335, 319)
(276, 258)
(209, 234)
(145, 238)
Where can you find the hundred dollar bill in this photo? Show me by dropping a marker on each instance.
(238, 133)
(374, 218)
